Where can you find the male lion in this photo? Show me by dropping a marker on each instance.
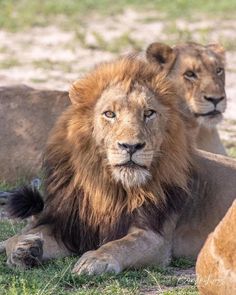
(122, 183)
(199, 74)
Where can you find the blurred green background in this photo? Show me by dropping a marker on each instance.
(20, 14)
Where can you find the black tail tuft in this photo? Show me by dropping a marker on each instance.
(24, 202)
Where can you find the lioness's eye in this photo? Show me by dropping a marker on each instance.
(190, 75)
(109, 114)
(219, 71)
(149, 113)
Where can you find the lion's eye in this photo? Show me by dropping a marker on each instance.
(219, 71)
(149, 113)
(109, 114)
(190, 75)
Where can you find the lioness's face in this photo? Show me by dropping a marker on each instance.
(129, 129)
(202, 77)
(198, 72)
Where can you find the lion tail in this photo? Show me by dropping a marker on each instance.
(24, 202)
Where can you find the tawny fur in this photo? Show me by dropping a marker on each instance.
(79, 184)
(208, 65)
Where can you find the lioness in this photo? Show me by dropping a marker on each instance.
(199, 74)
(216, 263)
(123, 186)
(26, 117)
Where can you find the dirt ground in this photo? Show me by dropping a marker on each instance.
(51, 58)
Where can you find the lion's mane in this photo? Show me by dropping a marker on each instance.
(84, 206)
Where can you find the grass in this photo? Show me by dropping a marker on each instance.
(23, 180)
(48, 64)
(232, 151)
(9, 63)
(200, 35)
(117, 44)
(56, 278)
(183, 263)
(19, 14)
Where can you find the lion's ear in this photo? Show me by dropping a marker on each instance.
(73, 93)
(161, 54)
(218, 49)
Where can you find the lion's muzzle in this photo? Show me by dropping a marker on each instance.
(131, 148)
(130, 165)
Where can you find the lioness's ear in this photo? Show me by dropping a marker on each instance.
(161, 54)
(218, 49)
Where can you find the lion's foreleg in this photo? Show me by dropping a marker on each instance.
(138, 248)
(32, 248)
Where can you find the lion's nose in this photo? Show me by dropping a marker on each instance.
(214, 100)
(131, 148)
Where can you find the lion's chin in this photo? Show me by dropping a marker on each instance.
(131, 177)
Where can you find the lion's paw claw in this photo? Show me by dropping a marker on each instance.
(94, 263)
(27, 253)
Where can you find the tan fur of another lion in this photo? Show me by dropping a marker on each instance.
(204, 61)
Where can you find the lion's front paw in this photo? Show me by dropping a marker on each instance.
(28, 252)
(95, 263)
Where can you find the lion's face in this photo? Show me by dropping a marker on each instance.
(129, 127)
(124, 127)
(198, 72)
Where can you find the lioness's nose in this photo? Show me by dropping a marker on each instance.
(214, 100)
(131, 148)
